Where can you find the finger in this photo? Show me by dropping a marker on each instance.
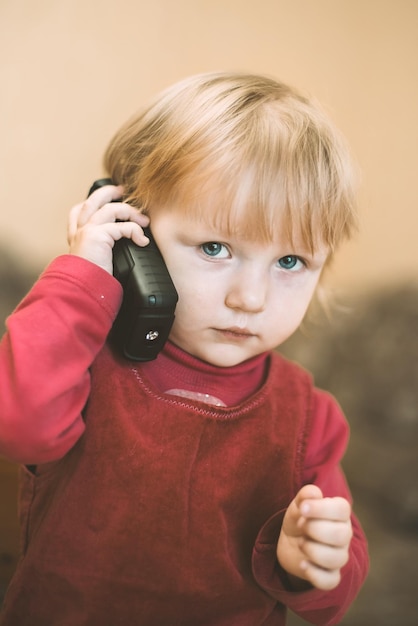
(109, 212)
(84, 210)
(109, 233)
(308, 492)
(328, 532)
(95, 243)
(129, 230)
(105, 194)
(337, 509)
(305, 495)
(294, 518)
(72, 221)
(323, 556)
(118, 211)
(319, 577)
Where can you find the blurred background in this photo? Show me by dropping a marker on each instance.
(72, 72)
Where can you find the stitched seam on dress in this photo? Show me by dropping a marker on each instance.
(305, 426)
(220, 413)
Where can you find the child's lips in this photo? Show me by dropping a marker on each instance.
(236, 333)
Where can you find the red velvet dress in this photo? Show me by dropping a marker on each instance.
(146, 508)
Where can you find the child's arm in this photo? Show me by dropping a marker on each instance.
(291, 566)
(52, 339)
(56, 333)
(315, 538)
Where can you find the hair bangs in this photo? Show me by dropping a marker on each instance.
(248, 154)
(274, 179)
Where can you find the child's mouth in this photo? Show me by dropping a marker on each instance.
(236, 333)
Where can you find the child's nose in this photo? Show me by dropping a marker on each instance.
(247, 292)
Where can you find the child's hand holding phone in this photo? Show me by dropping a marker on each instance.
(111, 234)
(95, 224)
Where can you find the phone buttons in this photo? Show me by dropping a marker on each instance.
(152, 335)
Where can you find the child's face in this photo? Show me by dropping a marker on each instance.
(236, 298)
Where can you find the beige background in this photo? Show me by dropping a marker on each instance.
(73, 70)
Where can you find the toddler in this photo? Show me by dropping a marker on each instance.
(203, 487)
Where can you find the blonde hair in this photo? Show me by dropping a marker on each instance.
(245, 151)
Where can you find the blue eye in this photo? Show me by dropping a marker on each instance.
(215, 249)
(290, 262)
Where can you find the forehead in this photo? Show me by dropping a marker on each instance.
(214, 218)
(256, 198)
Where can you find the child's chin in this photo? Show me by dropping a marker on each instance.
(224, 356)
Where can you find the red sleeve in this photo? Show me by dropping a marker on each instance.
(52, 338)
(326, 445)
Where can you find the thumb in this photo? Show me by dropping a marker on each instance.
(308, 492)
(291, 522)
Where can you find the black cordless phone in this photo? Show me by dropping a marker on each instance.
(149, 296)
